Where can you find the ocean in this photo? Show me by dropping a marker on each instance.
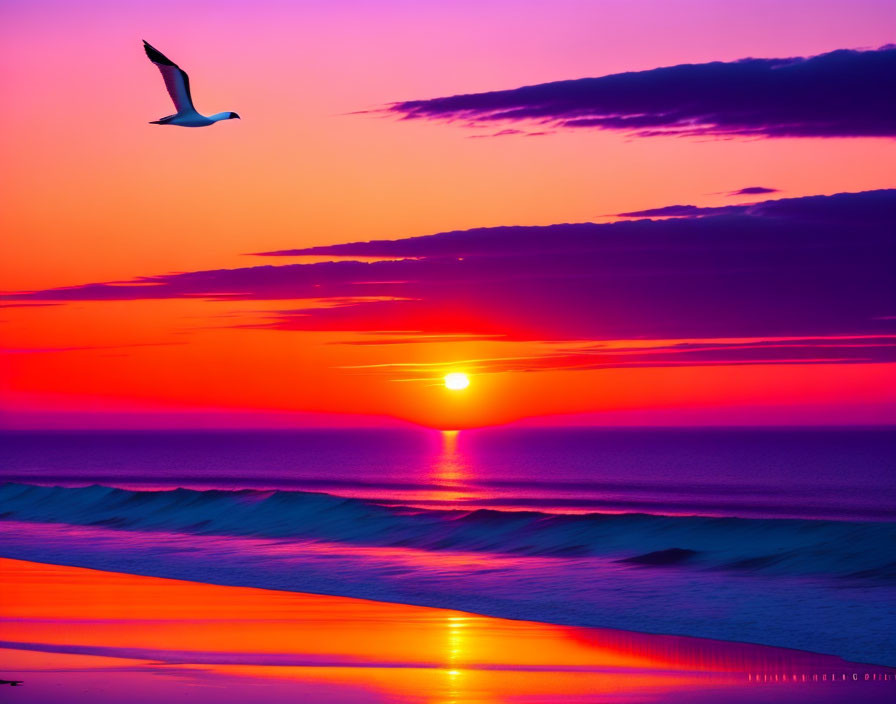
(781, 537)
(828, 473)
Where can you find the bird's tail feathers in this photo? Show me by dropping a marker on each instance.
(163, 120)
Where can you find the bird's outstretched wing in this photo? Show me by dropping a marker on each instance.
(176, 80)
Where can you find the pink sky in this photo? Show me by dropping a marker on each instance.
(93, 193)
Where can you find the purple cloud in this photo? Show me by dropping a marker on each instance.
(844, 93)
(809, 217)
(752, 191)
(816, 268)
(829, 350)
(843, 208)
(680, 211)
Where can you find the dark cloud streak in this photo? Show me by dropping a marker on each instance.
(752, 191)
(710, 352)
(844, 93)
(814, 267)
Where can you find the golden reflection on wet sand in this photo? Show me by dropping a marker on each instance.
(81, 621)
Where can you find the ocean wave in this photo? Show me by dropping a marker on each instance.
(860, 550)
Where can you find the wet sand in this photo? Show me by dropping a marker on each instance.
(80, 635)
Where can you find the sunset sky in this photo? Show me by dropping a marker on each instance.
(166, 277)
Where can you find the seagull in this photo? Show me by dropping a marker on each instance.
(12, 683)
(178, 84)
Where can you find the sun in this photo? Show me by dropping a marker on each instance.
(457, 381)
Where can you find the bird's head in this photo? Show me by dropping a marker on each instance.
(233, 116)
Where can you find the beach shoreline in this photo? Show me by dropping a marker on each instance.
(96, 627)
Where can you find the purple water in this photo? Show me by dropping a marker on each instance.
(835, 473)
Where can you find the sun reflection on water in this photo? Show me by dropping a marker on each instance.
(450, 469)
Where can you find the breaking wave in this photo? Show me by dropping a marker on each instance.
(775, 546)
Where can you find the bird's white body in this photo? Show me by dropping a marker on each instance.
(178, 84)
(194, 119)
